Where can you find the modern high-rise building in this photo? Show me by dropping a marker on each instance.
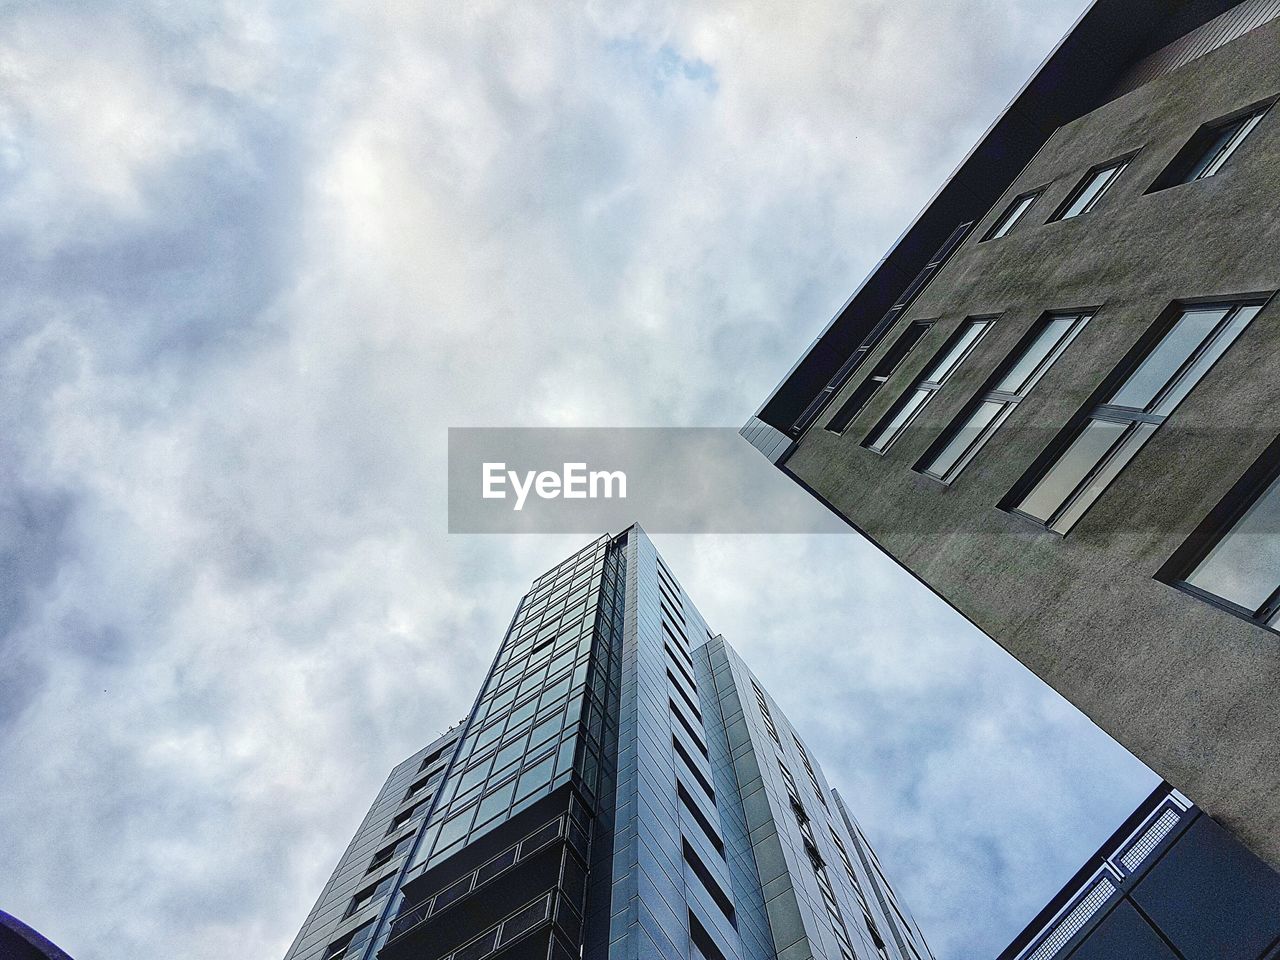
(1170, 884)
(1053, 400)
(623, 788)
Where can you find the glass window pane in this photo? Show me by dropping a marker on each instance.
(496, 802)
(545, 730)
(535, 777)
(1224, 146)
(1087, 195)
(1071, 468)
(968, 337)
(1015, 381)
(1093, 191)
(1169, 354)
(1131, 444)
(899, 422)
(1206, 360)
(981, 418)
(1244, 566)
(455, 828)
(1012, 216)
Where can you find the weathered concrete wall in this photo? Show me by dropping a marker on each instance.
(1192, 690)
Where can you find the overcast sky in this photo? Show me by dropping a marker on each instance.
(256, 257)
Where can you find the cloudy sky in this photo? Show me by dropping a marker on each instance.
(256, 257)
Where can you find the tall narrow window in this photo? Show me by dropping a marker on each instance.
(1091, 189)
(1019, 373)
(1237, 565)
(905, 411)
(1116, 429)
(879, 374)
(1012, 215)
(1208, 151)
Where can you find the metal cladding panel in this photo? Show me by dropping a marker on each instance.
(331, 919)
(1221, 30)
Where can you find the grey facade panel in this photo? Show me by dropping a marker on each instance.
(329, 920)
(1182, 683)
(1077, 77)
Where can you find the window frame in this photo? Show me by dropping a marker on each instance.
(1010, 399)
(932, 387)
(1220, 522)
(1097, 409)
(1009, 219)
(1193, 153)
(893, 358)
(1116, 166)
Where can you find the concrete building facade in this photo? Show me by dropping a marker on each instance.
(1054, 403)
(623, 788)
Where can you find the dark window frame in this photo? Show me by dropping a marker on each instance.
(897, 353)
(932, 387)
(1219, 522)
(1012, 216)
(1095, 408)
(1179, 170)
(988, 392)
(1118, 165)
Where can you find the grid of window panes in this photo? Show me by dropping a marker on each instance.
(524, 732)
(1116, 429)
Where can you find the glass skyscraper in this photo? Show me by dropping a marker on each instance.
(623, 787)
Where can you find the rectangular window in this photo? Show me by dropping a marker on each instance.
(702, 941)
(763, 704)
(417, 787)
(404, 816)
(1234, 559)
(705, 876)
(905, 411)
(370, 894)
(880, 373)
(1012, 215)
(351, 944)
(1029, 361)
(808, 767)
(688, 729)
(1091, 189)
(688, 700)
(692, 807)
(1116, 429)
(1208, 151)
(683, 754)
(389, 853)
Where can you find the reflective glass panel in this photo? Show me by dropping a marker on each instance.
(942, 369)
(1092, 191)
(1054, 330)
(1206, 359)
(981, 418)
(1012, 216)
(1244, 566)
(1131, 444)
(1071, 468)
(900, 420)
(1169, 354)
